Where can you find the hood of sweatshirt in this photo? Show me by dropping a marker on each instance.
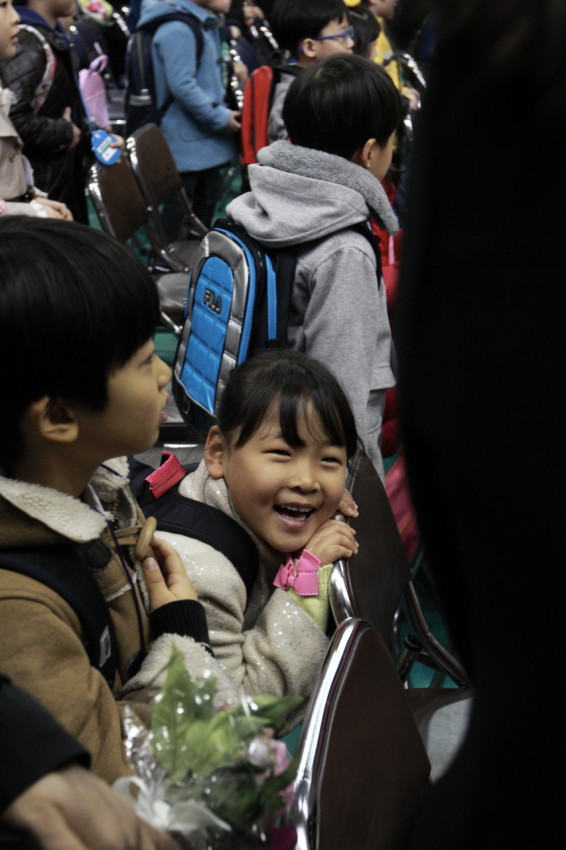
(155, 8)
(300, 195)
(34, 19)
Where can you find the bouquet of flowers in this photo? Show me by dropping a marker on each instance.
(214, 778)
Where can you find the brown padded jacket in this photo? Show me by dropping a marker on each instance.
(41, 639)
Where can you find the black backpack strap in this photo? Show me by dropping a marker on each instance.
(63, 570)
(180, 515)
(197, 27)
(364, 228)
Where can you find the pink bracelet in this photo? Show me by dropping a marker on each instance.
(302, 576)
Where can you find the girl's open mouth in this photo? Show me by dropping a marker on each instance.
(293, 512)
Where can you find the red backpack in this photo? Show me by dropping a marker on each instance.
(258, 99)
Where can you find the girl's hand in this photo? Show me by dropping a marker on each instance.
(332, 541)
(165, 576)
(347, 505)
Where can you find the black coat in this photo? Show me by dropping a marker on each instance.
(481, 345)
(32, 744)
(46, 135)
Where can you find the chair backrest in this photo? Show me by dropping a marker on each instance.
(117, 199)
(361, 762)
(153, 164)
(371, 586)
(156, 172)
(373, 583)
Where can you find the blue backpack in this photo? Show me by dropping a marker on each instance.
(140, 100)
(237, 303)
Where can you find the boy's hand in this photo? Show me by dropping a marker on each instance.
(252, 13)
(165, 576)
(233, 122)
(414, 98)
(332, 541)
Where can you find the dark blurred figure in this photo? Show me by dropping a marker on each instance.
(48, 799)
(481, 345)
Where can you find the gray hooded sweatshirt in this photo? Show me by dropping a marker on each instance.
(338, 314)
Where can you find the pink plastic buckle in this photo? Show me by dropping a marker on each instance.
(302, 576)
(166, 476)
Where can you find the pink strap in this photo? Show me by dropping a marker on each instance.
(302, 576)
(165, 476)
(98, 65)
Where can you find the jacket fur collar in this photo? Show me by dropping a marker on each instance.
(75, 519)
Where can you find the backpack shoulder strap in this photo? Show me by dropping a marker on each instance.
(185, 17)
(44, 86)
(147, 31)
(65, 571)
(181, 515)
(365, 230)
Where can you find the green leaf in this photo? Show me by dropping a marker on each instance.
(272, 710)
(179, 717)
(204, 751)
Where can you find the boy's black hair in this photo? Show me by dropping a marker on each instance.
(292, 381)
(75, 305)
(294, 20)
(340, 103)
(366, 29)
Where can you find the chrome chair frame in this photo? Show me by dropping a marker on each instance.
(122, 212)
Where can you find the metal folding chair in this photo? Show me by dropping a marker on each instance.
(158, 179)
(372, 586)
(122, 211)
(361, 762)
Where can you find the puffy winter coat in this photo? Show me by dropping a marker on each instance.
(45, 133)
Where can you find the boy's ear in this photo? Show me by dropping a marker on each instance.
(364, 154)
(215, 450)
(53, 420)
(308, 49)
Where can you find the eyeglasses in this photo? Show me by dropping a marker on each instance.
(346, 35)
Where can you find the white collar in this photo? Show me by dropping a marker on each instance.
(77, 520)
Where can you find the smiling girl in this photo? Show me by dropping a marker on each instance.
(276, 463)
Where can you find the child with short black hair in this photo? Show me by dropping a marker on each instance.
(366, 31)
(275, 463)
(199, 127)
(317, 195)
(82, 384)
(310, 32)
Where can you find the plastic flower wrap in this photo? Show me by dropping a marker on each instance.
(214, 778)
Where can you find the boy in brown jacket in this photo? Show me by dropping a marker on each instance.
(82, 384)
